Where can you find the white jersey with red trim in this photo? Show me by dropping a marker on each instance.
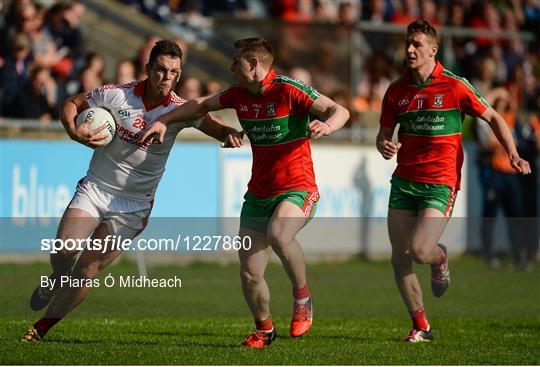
(124, 167)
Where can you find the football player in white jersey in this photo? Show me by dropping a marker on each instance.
(116, 196)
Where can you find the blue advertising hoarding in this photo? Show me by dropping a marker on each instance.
(39, 177)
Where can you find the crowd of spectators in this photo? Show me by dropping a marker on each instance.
(493, 15)
(43, 56)
(41, 52)
(513, 63)
(44, 59)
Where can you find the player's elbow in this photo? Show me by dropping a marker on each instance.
(338, 110)
(67, 104)
(345, 113)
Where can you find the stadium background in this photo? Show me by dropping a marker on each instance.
(350, 50)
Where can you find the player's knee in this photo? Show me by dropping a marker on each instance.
(66, 247)
(420, 255)
(250, 277)
(279, 240)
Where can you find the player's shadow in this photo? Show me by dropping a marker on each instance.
(187, 334)
(174, 333)
(358, 338)
(72, 341)
(333, 337)
(92, 341)
(209, 345)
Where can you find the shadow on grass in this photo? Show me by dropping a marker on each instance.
(187, 334)
(350, 338)
(180, 333)
(69, 341)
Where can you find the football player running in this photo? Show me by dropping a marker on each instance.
(116, 196)
(428, 102)
(282, 195)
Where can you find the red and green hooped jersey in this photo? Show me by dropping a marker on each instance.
(430, 117)
(275, 121)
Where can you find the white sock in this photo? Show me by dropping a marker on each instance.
(301, 301)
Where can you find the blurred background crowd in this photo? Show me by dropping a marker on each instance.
(350, 50)
(43, 54)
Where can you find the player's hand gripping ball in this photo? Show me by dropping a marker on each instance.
(97, 117)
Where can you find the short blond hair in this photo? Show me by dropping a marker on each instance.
(259, 47)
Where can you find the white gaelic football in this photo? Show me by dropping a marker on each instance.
(98, 116)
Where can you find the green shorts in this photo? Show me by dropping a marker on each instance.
(416, 196)
(256, 212)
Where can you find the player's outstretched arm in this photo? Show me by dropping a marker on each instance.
(230, 137)
(334, 114)
(82, 133)
(504, 136)
(190, 110)
(384, 143)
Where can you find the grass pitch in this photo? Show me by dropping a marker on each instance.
(486, 317)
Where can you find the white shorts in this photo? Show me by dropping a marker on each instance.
(126, 217)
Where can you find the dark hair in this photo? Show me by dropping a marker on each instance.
(260, 47)
(20, 41)
(36, 70)
(165, 47)
(423, 26)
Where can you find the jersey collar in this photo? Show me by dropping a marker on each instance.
(437, 71)
(266, 82)
(139, 92)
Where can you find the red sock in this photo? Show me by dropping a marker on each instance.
(264, 325)
(301, 293)
(419, 319)
(44, 324)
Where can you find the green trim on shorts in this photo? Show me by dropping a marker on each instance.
(256, 212)
(416, 196)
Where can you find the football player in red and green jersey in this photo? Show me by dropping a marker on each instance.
(428, 103)
(282, 194)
